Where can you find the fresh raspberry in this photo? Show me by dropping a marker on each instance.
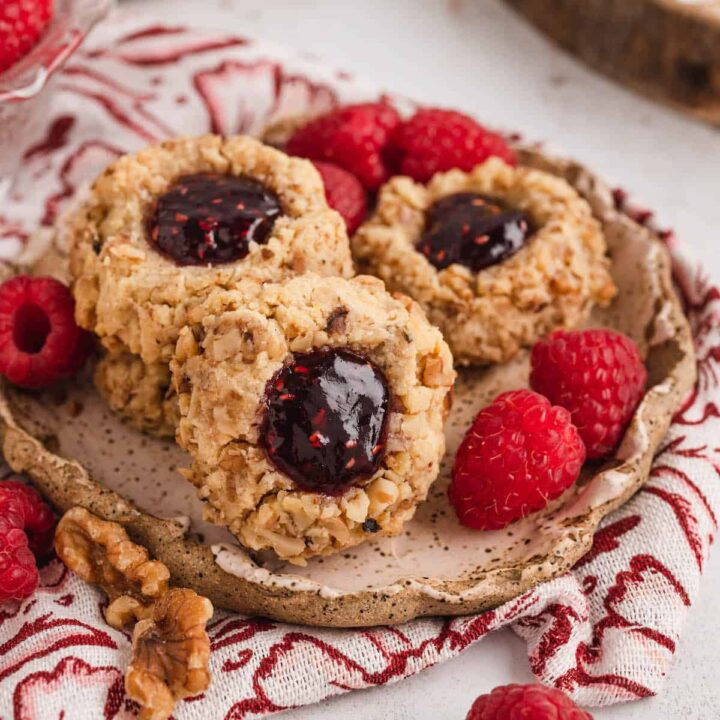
(598, 375)
(519, 454)
(40, 342)
(18, 571)
(24, 508)
(344, 193)
(533, 702)
(435, 140)
(22, 22)
(352, 137)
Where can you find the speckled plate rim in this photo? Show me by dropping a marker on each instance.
(66, 483)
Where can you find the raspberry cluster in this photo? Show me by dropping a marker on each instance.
(522, 452)
(356, 148)
(27, 526)
(40, 344)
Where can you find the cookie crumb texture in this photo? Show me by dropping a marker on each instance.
(136, 298)
(222, 372)
(141, 394)
(551, 282)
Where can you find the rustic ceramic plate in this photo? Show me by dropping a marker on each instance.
(78, 453)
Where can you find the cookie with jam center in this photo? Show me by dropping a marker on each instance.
(161, 229)
(313, 413)
(497, 257)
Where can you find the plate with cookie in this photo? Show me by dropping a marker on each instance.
(323, 355)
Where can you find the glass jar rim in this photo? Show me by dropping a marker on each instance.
(72, 21)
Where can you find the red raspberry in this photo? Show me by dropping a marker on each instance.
(435, 140)
(24, 508)
(352, 137)
(344, 193)
(519, 454)
(18, 572)
(22, 22)
(533, 702)
(598, 375)
(40, 342)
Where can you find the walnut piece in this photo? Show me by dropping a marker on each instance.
(170, 654)
(101, 553)
(171, 648)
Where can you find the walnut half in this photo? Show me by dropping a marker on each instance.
(170, 654)
(171, 648)
(101, 553)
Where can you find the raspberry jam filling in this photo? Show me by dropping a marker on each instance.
(325, 420)
(473, 230)
(208, 219)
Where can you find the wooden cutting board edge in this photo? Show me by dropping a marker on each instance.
(665, 49)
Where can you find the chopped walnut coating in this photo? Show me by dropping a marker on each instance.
(170, 654)
(140, 393)
(135, 299)
(101, 553)
(552, 282)
(222, 375)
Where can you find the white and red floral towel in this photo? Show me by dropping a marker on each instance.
(604, 633)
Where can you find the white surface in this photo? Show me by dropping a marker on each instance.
(477, 56)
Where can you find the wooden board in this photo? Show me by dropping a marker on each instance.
(666, 49)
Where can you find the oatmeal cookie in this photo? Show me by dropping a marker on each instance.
(161, 228)
(497, 257)
(314, 413)
(140, 393)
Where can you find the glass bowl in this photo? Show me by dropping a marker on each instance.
(26, 87)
